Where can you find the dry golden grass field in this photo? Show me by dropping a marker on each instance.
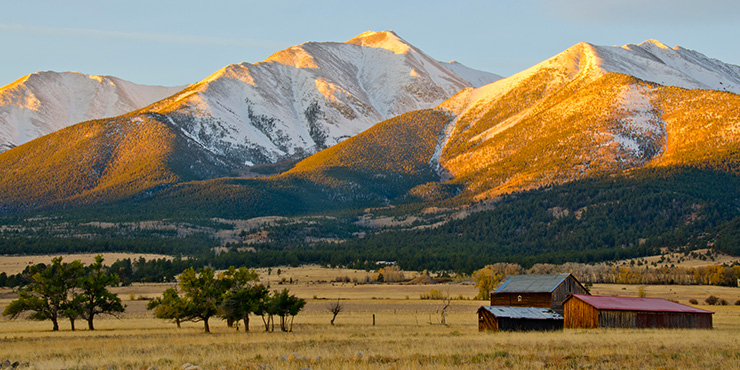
(15, 264)
(407, 335)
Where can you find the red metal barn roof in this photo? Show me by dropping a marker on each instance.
(636, 304)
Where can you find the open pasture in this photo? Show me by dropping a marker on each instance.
(407, 335)
(16, 264)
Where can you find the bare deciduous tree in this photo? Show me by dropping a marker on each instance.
(446, 302)
(335, 308)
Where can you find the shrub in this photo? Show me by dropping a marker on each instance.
(693, 301)
(712, 300)
(723, 302)
(737, 303)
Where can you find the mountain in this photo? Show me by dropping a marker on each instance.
(308, 97)
(590, 110)
(564, 120)
(598, 153)
(101, 161)
(44, 102)
(296, 102)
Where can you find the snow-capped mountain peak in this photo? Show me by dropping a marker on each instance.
(654, 43)
(294, 56)
(656, 62)
(387, 40)
(309, 96)
(44, 102)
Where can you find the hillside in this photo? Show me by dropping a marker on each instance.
(294, 103)
(584, 157)
(391, 159)
(45, 102)
(98, 161)
(388, 162)
(570, 118)
(309, 97)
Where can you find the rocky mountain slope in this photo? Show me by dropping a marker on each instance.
(565, 120)
(296, 102)
(589, 110)
(308, 97)
(45, 102)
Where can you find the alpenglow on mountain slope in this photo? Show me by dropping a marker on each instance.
(294, 103)
(590, 110)
(564, 120)
(45, 102)
(309, 97)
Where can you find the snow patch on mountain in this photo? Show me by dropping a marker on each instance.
(650, 61)
(640, 132)
(309, 97)
(387, 40)
(654, 61)
(477, 78)
(44, 102)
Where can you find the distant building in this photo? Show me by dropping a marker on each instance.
(588, 311)
(495, 318)
(544, 291)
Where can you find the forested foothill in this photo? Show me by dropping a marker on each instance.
(593, 220)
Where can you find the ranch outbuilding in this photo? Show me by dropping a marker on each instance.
(495, 318)
(588, 311)
(544, 291)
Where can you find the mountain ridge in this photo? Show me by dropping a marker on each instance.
(328, 92)
(564, 119)
(44, 102)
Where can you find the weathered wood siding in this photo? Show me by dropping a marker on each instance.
(543, 300)
(616, 319)
(673, 320)
(552, 300)
(569, 286)
(487, 321)
(579, 314)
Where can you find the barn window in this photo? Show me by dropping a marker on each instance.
(519, 298)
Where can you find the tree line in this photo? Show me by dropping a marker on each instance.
(490, 276)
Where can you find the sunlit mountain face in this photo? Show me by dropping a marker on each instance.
(589, 111)
(309, 97)
(296, 102)
(45, 102)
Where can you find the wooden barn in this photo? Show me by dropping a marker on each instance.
(588, 311)
(545, 291)
(495, 318)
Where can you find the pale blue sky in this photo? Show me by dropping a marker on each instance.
(179, 42)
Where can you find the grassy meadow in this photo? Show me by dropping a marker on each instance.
(407, 334)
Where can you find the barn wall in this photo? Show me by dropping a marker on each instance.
(487, 321)
(579, 314)
(617, 319)
(543, 300)
(566, 288)
(673, 320)
(643, 320)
